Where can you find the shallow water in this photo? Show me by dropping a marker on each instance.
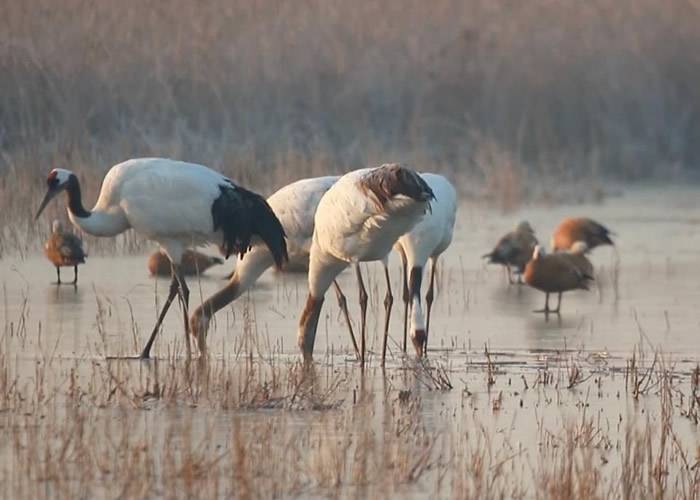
(651, 304)
(657, 234)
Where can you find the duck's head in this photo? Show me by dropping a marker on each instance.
(524, 227)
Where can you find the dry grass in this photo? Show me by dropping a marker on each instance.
(512, 95)
(255, 423)
(100, 433)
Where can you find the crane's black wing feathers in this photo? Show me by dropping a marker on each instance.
(241, 215)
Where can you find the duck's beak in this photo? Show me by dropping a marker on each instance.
(47, 198)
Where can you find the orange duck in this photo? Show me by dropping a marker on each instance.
(573, 229)
(514, 250)
(192, 263)
(576, 255)
(64, 249)
(554, 273)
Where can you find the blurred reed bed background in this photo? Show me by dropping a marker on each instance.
(512, 99)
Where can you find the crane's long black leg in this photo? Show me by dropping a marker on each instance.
(406, 298)
(184, 294)
(58, 275)
(429, 301)
(146, 353)
(363, 313)
(343, 304)
(75, 275)
(388, 303)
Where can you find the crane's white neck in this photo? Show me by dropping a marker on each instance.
(308, 323)
(323, 268)
(417, 321)
(255, 262)
(248, 270)
(100, 223)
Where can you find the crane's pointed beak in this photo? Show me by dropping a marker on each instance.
(47, 198)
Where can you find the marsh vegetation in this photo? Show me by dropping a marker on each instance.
(537, 110)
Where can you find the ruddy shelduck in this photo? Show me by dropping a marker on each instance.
(64, 249)
(193, 263)
(514, 250)
(573, 229)
(554, 273)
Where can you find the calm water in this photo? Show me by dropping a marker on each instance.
(653, 304)
(658, 237)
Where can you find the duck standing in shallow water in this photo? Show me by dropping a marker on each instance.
(573, 229)
(514, 250)
(193, 263)
(64, 250)
(554, 273)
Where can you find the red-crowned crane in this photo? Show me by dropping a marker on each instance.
(176, 204)
(358, 220)
(426, 241)
(295, 207)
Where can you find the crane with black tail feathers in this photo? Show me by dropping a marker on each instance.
(295, 206)
(178, 205)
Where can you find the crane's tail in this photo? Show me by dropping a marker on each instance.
(241, 215)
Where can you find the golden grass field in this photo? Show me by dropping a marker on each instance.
(522, 104)
(494, 89)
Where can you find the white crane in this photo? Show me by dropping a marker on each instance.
(295, 207)
(358, 220)
(426, 241)
(178, 205)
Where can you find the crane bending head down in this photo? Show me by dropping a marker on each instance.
(358, 220)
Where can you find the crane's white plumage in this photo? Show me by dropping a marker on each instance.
(176, 204)
(166, 201)
(359, 219)
(426, 241)
(295, 207)
(352, 226)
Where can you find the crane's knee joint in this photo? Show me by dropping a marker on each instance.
(363, 298)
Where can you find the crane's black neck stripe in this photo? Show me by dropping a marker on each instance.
(414, 281)
(75, 201)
